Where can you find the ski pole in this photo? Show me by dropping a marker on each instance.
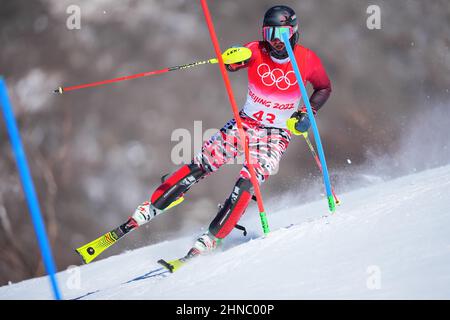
(326, 177)
(313, 151)
(232, 55)
(61, 90)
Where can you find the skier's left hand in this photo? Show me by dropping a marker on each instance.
(299, 122)
(238, 65)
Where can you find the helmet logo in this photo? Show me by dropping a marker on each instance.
(276, 77)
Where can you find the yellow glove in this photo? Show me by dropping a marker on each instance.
(298, 123)
(236, 55)
(290, 123)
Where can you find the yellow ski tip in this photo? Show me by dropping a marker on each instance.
(79, 252)
(172, 266)
(85, 256)
(93, 249)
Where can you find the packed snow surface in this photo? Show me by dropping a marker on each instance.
(387, 241)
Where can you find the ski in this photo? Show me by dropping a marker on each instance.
(93, 249)
(175, 265)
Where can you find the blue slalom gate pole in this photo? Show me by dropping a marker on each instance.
(326, 177)
(28, 187)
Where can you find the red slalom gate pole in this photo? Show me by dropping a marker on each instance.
(235, 110)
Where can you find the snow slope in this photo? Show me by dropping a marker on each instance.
(388, 241)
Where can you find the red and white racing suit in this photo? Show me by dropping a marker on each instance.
(273, 91)
(273, 96)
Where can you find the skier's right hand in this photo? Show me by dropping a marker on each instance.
(299, 122)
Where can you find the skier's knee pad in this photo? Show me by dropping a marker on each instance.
(176, 185)
(233, 209)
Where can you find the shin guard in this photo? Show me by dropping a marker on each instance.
(232, 210)
(176, 185)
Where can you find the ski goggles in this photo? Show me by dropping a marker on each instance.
(272, 33)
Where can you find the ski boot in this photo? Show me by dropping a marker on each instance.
(144, 213)
(206, 244)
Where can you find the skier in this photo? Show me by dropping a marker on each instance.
(271, 114)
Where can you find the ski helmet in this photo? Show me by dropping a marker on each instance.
(279, 16)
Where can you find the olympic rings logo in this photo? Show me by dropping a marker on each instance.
(276, 77)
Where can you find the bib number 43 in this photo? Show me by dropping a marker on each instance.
(262, 116)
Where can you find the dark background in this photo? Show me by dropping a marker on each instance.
(95, 154)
